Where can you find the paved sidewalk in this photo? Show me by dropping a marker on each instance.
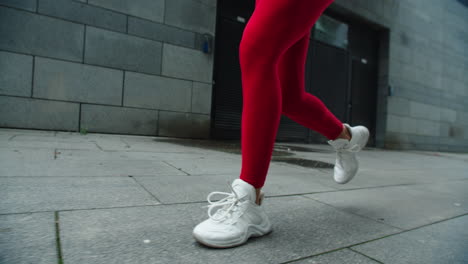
(96, 198)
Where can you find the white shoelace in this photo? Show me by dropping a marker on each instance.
(354, 148)
(228, 204)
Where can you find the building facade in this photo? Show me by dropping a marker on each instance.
(170, 68)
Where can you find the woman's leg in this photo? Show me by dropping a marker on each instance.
(299, 105)
(275, 26)
(308, 110)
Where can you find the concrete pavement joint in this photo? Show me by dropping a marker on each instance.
(97, 145)
(315, 255)
(144, 188)
(86, 209)
(371, 240)
(360, 253)
(327, 252)
(125, 142)
(57, 237)
(188, 174)
(88, 176)
(410, 229)
(341, 210)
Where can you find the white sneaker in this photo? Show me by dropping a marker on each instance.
(238, 217)
(346, 164)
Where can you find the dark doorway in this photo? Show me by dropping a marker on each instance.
(232, 16)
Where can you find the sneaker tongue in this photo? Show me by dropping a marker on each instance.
(244, 190)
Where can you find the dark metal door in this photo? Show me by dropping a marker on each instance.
(363, 84)
(227, 95)
(346, 79)
(227, 90)
(363, 96)
(227, 103)
(329, 80)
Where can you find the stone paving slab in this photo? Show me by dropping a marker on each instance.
(151, 144)
(33, 194)
(302, 227)
(372, 178)
(21, 161)
(335, 257)
(196, 188)
(76, 168)
(444, 242)
(14, 131)
(403, 206)
(95, 141)
(83, 154)
(46, 141)
(229, 165)
(28, 238)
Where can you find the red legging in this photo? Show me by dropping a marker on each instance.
(272, 56)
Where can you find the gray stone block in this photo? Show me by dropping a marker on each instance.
(403, 206)
(28, 238)
(192, 15)
(83, 13)
(40, 35)
(408, 125)
(70, 193)
(36, 113)
(444, 129)
(15, 74)
(33, 164)
(416, 92)
(20, 156)
(160, 32)
(397, 105)
(209, 2)
(86, 235)
(149, 9)
(42, 139)
(118, 120)
(61, 80)
(157, 92)
(29, 5)
(424, 111)
(340, 256)
(448, 115)
(175, 124)
(201, 98)
(187, 63)
(122, 51)
(443, 242)
(427, 127)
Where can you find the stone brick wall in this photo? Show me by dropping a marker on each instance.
(111, 66)
(426, 68)
(135, 67)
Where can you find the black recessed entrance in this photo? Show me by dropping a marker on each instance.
(344, 76)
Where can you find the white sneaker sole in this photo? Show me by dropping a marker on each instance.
(252, 231)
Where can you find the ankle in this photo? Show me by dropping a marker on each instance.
(259, 198)
(345, 133)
